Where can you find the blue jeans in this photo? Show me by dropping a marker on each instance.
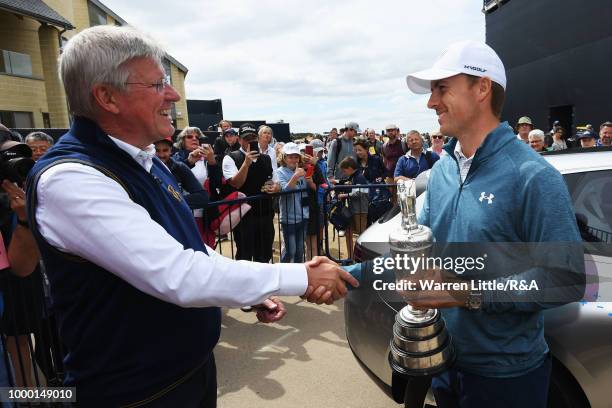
(457, 389)
(294, 236)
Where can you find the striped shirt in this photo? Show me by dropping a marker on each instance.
(464, 162)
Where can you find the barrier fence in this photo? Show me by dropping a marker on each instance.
(288, 226)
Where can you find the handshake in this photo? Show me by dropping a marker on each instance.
(326, 281)
(326, 284)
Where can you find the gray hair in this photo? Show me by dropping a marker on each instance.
(39, 137)
(97, 55)
(187, 131)
(536, 134)
(262, 128)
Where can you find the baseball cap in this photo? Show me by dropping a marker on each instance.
(230, 131)
(353, 125)
(464, 57)
(247, 129)
(291, 148)
(317, 145)
(524, 120)
(391, 126)
(586, 134)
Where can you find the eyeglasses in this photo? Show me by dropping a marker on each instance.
(159, 85)
(437, 137)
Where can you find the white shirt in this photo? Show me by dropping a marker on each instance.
(464, 162)
(270, 151)
(230, 170)
(85, 213)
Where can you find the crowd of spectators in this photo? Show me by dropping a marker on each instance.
(297, 181)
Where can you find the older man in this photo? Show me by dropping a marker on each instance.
(605, 134)
(416, 160)
(493, 188)
(523, 127)
(39, 142)
(135, 288)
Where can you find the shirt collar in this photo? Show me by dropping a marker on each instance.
(459, 153)
(409, 154)
(142, 157)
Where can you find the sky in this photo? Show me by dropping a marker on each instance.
(315, 64)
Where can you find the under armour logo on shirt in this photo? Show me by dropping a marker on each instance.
(489, 198)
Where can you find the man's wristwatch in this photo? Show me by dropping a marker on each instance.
(474, 300)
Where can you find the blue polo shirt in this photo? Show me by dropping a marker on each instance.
(409, 166)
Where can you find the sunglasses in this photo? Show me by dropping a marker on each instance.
(438, 137)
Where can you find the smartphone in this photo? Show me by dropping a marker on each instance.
(254, 146)
(309, 150)
(309, 170)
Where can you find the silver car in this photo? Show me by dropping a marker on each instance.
(579, 334)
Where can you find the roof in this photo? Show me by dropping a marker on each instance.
(116, 17)
(37, 10)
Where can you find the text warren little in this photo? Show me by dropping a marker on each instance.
(477, 285)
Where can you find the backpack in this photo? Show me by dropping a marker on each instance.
(340, 215)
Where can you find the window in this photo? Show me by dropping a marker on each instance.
(15, 63)
(96, 15)
(17, 119)
(46, 119)
(592, 198)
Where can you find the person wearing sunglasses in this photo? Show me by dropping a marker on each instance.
(437, 144)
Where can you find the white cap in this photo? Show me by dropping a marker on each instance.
(291, 148)
(317, 145)
(465, 57)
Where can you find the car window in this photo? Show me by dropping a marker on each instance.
(592, 198)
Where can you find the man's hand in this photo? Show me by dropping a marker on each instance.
(250, 156)
(16, 197)
(271, 310)
(311, 159)
(326, 281)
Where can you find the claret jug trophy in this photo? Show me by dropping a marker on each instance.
(421, 345)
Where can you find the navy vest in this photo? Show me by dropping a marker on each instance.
(122, 344)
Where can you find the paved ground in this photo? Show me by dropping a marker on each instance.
(303, 362)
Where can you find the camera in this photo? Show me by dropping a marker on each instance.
(15, 161)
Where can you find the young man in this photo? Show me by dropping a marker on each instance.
(339, 149)
(492, 188)
(392, 150)
(588, 138)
